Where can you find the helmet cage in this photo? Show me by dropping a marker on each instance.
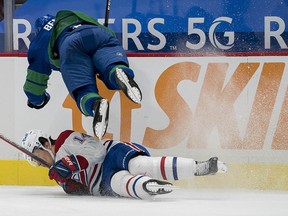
(31, 141)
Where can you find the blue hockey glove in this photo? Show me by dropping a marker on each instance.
(46, 100)
(63, 169)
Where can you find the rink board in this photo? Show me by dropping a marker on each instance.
(240, 176)
(231, 107)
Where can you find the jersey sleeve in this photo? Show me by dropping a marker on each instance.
(87, 149)
(39, 68)
(35, 86)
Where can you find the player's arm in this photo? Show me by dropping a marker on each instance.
(35, 89)
(71, 142)
(37, 77)
(64, 168)
(74, 152)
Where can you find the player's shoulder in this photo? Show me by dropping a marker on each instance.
(65, 133)
(38, 44)
(62, 138)
(42, 38)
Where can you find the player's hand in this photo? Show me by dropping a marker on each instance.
(63, 169)
(46, 100)
(75, 188)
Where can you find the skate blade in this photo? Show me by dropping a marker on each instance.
(133, 92)
(101, 127)
(157, 189)
(165, 187)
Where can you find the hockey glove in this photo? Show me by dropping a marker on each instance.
(40, 106)
(75, 188)
(63, 169)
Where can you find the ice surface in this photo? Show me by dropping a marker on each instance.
(52, 201)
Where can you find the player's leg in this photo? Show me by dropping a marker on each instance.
(174, 168)
(92, 104)
(113, 67)
(116, 160)
(140, 187)
(123, 76)
(78, 73)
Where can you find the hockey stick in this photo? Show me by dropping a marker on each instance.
(107, 12)
(36, 158)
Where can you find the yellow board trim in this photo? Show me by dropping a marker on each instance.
(20, 172)
(239, 176)
(244, 176)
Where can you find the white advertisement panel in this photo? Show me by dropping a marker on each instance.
(231, 107)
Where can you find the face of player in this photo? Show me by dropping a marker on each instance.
(43, 154)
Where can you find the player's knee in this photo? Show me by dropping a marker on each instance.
(141, 165)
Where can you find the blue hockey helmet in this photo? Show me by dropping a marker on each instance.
(42, 21)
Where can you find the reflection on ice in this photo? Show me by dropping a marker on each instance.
(49, 201)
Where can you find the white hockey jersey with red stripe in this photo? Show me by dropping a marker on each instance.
(90, 154)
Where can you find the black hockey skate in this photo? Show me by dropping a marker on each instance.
(101, 117)
(157, 187)
(210, 167)
(128, 86)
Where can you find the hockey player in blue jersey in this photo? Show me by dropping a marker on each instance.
(81, 164)
(81, 49)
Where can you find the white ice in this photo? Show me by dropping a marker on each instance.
(52, 201)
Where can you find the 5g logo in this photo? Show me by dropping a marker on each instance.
(212, 34)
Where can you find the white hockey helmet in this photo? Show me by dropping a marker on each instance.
(34, 139)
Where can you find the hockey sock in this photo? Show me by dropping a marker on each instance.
(127, 185)
(165, 168)
(112, 78)
(86, 103)
(85, 97)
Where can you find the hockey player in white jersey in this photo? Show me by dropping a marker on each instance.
(81, 164)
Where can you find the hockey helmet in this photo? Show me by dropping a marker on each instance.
(42, 21)
(34, 139)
